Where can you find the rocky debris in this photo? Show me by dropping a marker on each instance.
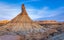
(11, 37)
(57, 37)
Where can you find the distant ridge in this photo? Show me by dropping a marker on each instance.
(51, 22)
(3, 22)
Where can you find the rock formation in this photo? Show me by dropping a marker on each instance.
(23, 25)
(3, 22)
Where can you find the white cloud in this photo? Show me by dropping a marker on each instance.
(10, 11)
(34, 0)
(44, 12)
(7, 11)
(25, 1)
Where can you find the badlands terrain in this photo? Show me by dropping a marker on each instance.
(22, 27)
(59, 35)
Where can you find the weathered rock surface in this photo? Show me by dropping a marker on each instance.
(11, 37)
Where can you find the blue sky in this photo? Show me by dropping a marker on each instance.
(37, 9)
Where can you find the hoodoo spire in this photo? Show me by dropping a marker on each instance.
(23, 10)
